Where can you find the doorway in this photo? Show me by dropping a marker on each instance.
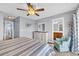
(8, 30)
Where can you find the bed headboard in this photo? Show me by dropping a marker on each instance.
(58, 34)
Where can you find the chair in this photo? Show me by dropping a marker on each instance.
(63, 46)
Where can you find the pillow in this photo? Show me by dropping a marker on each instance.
(60, 40)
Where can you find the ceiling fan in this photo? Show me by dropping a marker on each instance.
(31, 10)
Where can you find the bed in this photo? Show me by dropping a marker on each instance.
(24, 47)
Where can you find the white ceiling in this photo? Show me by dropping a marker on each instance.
(50, 9)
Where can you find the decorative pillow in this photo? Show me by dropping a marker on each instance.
(60, 40)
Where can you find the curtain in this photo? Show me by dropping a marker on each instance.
(75, 34)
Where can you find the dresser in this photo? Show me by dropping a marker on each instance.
(41, 36)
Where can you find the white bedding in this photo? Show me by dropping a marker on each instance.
(24, 47)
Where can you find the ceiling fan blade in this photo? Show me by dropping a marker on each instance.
(29, 5)
(42, 9)
(28, 14)
(36, 14)
(21, 9)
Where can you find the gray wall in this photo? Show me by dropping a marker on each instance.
(26, 31)
(21, 29)
(16, 27)
(1, 26)
(48, 21)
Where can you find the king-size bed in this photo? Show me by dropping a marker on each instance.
(24, 47)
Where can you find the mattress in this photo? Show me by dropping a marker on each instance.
(24, 47)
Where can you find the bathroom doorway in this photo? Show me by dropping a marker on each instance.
(8, 29)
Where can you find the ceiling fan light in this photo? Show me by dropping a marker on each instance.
(31, 12)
